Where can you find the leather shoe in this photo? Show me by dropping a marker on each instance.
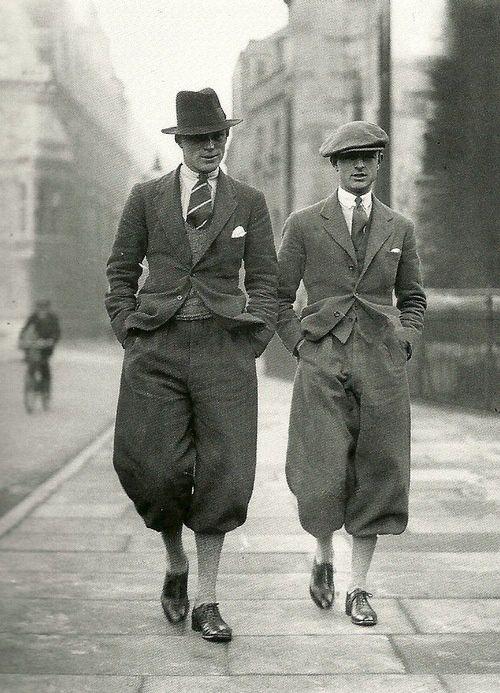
(321, 587)
(359, 609)
(207, 620)
(174, 597)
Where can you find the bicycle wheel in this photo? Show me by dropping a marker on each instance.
(45, 400)
(29, 394)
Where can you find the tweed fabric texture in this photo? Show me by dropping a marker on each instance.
(186, 426)
(348, 460)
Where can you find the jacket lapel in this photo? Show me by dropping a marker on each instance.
(334, 223)
(168, 206)
(224, 205)
(380, 230)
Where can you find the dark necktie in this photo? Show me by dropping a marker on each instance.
(359, 222)
(200, 203)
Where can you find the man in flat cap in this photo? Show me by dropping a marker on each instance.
(186, 426)
(348, 458)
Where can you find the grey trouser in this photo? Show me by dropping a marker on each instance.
(186, 426)
(348, 458)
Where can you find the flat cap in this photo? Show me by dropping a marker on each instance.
(356, 135)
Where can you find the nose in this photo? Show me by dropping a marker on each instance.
(209, 143)
(359, 163)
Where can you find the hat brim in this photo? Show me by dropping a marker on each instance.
(349, 150)
(202, 129)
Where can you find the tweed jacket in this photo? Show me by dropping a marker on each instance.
(152, 226)
(317, 248)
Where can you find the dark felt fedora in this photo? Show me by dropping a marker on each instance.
(199, 112)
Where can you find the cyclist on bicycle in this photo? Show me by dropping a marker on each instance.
(40, 334)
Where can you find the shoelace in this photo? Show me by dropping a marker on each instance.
(212, 613)
(362, 597)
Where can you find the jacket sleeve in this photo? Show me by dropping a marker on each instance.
(261, 272)
(124, 264)
(410, 296)
(291, 264)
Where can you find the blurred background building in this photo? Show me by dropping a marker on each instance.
(327, 66)
(65, 165)
(430, 76)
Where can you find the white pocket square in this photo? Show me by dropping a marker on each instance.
(395, 250)
(238, 232)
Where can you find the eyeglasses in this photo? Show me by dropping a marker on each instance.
(219, 136)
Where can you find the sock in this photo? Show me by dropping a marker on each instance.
(208, 548)
(324, 550)
(177, 561)
(362, 553)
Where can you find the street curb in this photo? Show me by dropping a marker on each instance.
(42, 492)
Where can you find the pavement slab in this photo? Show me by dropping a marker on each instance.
(425, 563)
(118, 655)
(152, 563)
(472, 683)
(466, 584)
(463, 542)
(82, 510)
(454, 615)
(313, 654)
(22, 683)
(43, 541)
(454, 525)
(74, 525)
(450, 653)
(340, 683)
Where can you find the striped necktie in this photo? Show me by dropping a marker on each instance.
(359, 222)
(200, 203)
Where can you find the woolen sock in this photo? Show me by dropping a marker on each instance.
(208, 549)
(324, 550)
(362, 553)
(177, 561)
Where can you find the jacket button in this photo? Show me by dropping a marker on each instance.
(179, 298)
(351, 267)
(336, 314)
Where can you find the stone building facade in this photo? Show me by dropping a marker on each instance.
(291, 89)
(64, 162)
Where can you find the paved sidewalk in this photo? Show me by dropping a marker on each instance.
(80, 579)
(85, 378)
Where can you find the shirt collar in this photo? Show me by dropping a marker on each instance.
(191, 176)
(347, 199)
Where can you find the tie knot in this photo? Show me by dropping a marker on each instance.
(358, 201)
(202, 178)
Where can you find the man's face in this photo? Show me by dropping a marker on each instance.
(203, 153)
(358, 171)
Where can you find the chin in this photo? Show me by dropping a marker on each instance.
(209, 167)
(360, 188)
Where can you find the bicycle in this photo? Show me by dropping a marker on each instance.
(36, 376)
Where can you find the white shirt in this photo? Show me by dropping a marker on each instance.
(188, 180)
(348, 203)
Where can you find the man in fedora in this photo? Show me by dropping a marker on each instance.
(348, 457)
(186, 426)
